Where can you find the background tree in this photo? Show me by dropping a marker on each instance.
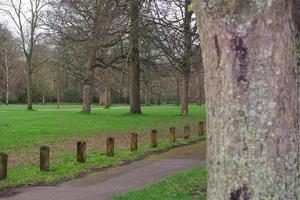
(91, 26)
(172, 29)
(62, 54)
(27, 23)
(134, 60)
(11, 68)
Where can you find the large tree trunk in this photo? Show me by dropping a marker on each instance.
(135, 106)
(89, 80)
(250, 76)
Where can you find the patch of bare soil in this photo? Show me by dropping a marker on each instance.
(95, 142)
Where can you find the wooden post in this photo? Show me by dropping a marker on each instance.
(81, 148)
(201, 128)
(187, 132)
(154, 138)
(172, 134)
(134, 142)
(44, 158)
(110, 147)
(3, 166)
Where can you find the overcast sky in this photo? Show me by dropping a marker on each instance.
(5, 19)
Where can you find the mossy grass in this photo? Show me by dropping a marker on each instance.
(189, 185)
(65, 165)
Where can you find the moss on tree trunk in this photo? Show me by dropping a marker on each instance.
(251, 90)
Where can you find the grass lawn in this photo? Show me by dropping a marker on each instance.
(189, 185)
(20, 128)
(22, 132)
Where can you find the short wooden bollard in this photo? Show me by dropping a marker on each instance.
(110, 147)
(44, 158)
(187, 132)
(81, 148)
(154, 138)
(3, 166)
(134, 142)
(201, 128)
(172, 134)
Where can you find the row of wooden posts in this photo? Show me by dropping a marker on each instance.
(81, 148)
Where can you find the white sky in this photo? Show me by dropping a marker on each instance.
(5, 19)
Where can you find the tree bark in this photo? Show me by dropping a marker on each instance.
(86, 104)
(185, 95)
(250, 82)
(29, 89)
(147, 96)
(201, 88)
(106, 96)
(89, 79)
(177, 90)
(58, 98)
(100, 97)
(186, 67)
(7, 77)
(159, 98)
(135, 105)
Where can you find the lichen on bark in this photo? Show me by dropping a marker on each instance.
(250, 83)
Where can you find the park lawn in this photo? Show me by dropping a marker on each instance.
(21, 129)
(65, 166)
(189, 185)
(22, 132)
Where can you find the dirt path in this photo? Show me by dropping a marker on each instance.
(105, 184)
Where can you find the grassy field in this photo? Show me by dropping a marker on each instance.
(22, 132)
(190, 185)
(20, 128)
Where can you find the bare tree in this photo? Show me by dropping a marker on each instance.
(27, 24)
(92, 26)
(252, 114)
(171, 27)
(9, 60)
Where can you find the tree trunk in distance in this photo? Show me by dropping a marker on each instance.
(58, 99)
(186, 67)
(250, 83)
(177, 91)
(185, 95)
(29, 90)
(86, 104)
(135, 105)
(89, 79)
(7, 77)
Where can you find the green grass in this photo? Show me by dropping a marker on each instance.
(187, 185)
(66, 166)
(21, 129)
